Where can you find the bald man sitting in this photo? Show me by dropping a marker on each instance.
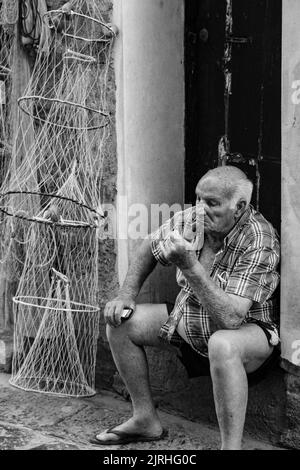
(224, 314)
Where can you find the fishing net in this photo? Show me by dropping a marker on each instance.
(6, 38)
(63, 235)
(65, 105)
(66, 101)
(55, 342)
(50, 196)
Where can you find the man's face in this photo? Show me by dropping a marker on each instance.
(219, 211)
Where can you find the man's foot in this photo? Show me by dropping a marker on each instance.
(131, 431)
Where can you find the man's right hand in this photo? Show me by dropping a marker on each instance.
(114, 309)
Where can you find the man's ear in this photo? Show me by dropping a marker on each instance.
(240, 207)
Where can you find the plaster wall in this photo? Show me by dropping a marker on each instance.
(150, 121)
(290, 269)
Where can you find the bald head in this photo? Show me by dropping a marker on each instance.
(232, 181)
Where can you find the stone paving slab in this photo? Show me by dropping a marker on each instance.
(18, 437)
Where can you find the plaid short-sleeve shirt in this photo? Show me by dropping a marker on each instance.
(245, 266)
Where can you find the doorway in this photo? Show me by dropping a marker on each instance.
(233, 94)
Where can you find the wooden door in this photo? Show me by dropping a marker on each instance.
(233, 94)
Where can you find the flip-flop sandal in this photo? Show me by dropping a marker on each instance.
(126, 438)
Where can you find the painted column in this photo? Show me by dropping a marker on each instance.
(290, 269)
(149, 62)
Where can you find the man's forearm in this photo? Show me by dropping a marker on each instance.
(222, 308)
(140, 268)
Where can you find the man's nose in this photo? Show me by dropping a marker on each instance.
(204, 205)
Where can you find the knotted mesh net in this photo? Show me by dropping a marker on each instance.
(50, 201)
(55, 343)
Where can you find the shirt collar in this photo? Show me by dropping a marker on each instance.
(238, 226)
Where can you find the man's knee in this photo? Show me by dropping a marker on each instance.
(142, 328)
(125, 328)
(222, 347)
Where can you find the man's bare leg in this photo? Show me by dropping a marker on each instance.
(232, 354)
(127, 345)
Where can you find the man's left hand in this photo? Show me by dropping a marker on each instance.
(178, 251)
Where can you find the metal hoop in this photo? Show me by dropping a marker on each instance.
(64, 224)
(72, 55)
(81, 15)
(91, 393)
(70, 103)
(4, 70)
(32, 301)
